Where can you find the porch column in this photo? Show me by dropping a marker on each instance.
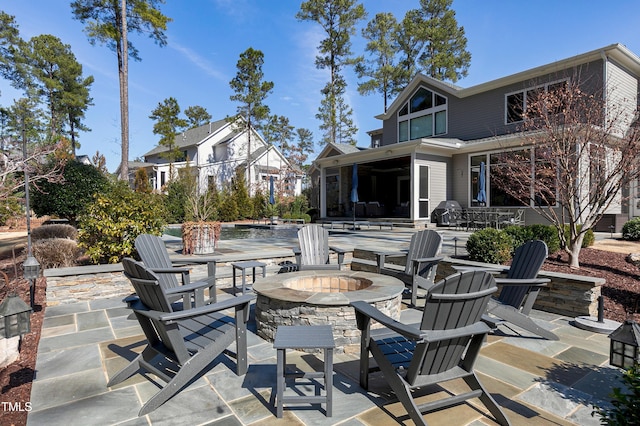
(323, 192)
(415, 199)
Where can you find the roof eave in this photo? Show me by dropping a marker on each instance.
(619, 52)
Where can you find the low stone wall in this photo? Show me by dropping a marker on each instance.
(571, 295)
(86, 286)
(86, 283)
(567, 294)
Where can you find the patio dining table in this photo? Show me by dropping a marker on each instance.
(502, 216)
(487, 217)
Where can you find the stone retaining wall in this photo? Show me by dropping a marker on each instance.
(76, 288)
(567, 294)
(82, 283)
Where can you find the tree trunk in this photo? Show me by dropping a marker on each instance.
(73, 138)
(124, 96)
(575, 245)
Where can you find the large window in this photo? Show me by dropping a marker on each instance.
(545, 177)
(503, 165)
(424, 115)
(490, 174)
(516, 102)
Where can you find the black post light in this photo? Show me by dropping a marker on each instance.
(15, 315)
(625, 340)
(31, 273)
(31, 266)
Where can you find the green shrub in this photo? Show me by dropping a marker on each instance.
(259, 201)
(67, 199)
(490, 246)
(112, 222)
(228, 209)
(46, 232)
(519, 234)
(175, 201)
(546, 233)
(588, 239)
(631, 230)
(625, 404)
(240, 195)
(10, 208)
(56, 252)
(306, 217)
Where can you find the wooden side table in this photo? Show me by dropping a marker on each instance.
(243, 266)
(304, 337)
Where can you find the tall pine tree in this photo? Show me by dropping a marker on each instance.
(338, 18)
(250, 91)
(110, 22)
(168, 125)
(380, 70)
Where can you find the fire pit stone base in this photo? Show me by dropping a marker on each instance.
(282, 301)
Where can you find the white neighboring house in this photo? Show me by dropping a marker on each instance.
(216, 150)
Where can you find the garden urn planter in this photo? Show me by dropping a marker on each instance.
(200, 237)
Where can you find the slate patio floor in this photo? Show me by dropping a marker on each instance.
(538, 382)
(83, 344)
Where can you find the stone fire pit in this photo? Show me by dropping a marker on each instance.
(323, 297)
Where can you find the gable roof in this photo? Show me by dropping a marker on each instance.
(332, 149)
(616, 52)
(263, 150)
(193, 137)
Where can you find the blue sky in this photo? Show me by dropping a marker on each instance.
(206, 38)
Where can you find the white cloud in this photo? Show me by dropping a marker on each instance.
(198, 61)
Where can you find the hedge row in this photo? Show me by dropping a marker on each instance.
(497, 246)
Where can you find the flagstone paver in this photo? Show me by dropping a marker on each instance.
(85, 342)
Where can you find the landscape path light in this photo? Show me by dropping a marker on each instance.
(15, 315)
(625, 340)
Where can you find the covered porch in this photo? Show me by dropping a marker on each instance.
(402, 183)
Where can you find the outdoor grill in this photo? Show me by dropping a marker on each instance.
(442, 214)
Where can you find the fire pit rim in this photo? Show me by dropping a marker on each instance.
(383, 287)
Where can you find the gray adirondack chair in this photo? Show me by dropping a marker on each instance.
(520, 290)
(154, 255)
(314, 249)
(443, 347)
(421, 260)
(182, 345)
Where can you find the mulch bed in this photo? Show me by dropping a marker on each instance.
(621, 292)
(15, 379)
(621, 301)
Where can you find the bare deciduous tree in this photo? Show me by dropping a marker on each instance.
(580, 152)
(14, 160)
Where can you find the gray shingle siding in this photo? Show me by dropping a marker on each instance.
(483, 115)
(460, 179)
(390, 131)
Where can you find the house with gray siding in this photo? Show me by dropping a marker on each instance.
(437, 138)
